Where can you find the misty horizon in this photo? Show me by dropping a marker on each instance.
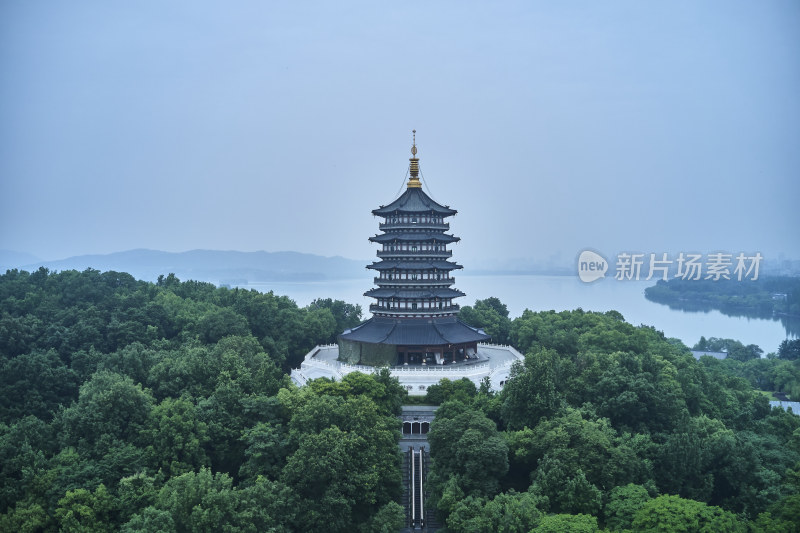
(614, 127)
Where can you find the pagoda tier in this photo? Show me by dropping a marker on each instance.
(387, 292)
(414, 314)
(417, 302)
(413, 238)
(414, 280)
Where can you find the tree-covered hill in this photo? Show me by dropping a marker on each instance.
(607, 425)
(136, 406)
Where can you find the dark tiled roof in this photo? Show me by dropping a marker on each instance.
(414, 332)
(414, 237)
(414, 265)
(414, 201)
(386, 292)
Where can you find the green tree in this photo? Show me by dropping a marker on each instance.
(388, 519)
(558, 523)
(35, 384)
(746, 353)
(150, 519)
(18, 334)
(784, 513)
(590, 445)
(135, 493)
(509, 512)
(80, 510)
(789, 349)
(267, 506)
(267, 448)
(566, 488)
(346, 315)
(675, 514)
(689, 457)
(462, 390)
(27, 517)
(623, 503)
(24, 450)
(638, 392)
(343, 462)
(394, 394)
(530, 393)
(336, 481)
(135, 360)
(381, 388)
(491, 315)
(467, 446)
(221, 322)
(767, 523)
(749, 479)
(109, 406)
(174, 437)
(199, 501)
(199, 370)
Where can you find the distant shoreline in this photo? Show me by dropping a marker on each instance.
(770, 298)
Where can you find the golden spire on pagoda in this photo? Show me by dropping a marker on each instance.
(413, 168)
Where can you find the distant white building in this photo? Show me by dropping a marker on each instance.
(716, 355)
(795, 406)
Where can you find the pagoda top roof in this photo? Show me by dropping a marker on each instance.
(414, 200)
(416, 332)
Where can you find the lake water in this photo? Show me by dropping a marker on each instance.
(559, 293)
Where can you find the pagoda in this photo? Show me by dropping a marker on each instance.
(414, 317)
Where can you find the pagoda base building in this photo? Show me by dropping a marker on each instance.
(383, 341)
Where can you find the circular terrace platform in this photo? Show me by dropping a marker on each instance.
(492, 360)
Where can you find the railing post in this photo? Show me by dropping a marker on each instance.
(413, 489)
(421, 493)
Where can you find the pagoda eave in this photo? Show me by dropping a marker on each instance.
(407, 236)
(408, 293)
(414, 265)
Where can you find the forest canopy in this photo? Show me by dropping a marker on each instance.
(607, 425)
(136, 406)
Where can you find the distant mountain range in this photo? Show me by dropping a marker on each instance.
(219, 267)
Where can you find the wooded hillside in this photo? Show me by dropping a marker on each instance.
(136, 406)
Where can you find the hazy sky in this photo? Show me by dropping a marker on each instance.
(550, 126)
